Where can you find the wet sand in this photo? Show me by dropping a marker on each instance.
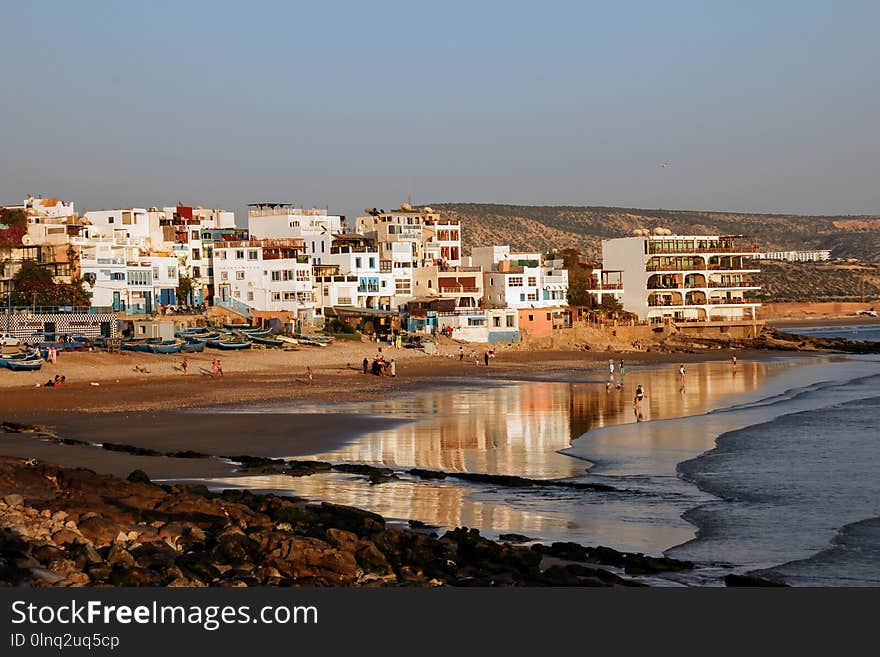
(149, 411)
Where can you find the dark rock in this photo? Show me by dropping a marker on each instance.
(515, 538)
(130, 449)
(133, 576)
(138, 477)
(99, 530)
(427, 474)
(306, 468)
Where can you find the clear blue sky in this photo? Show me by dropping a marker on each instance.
(757, 106)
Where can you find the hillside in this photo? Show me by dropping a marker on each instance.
(545, 227)
(810, 281)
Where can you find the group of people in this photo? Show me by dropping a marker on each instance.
(380, 366)
(216, 368)
(54, 383)
(475, 357)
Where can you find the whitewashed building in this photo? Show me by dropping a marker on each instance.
(269, 275)
(520, 280)
(686, 278)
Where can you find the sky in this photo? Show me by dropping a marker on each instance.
(755, 106)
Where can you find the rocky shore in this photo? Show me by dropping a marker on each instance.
(73, 527)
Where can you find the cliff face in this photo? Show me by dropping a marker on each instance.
(583, 227)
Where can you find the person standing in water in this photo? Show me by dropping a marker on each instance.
(621, 370)
(681, 376)
(638, 403)
(611, 370)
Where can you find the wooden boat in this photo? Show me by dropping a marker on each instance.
(237, 326)
(267, 341)
(229, 345)
(257, 333)
(21, 356)
(25, 364)
(193, 346)
(166, 347)
(135, 346)
(306, 338)
(202, 337)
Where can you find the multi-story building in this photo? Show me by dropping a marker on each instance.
(819, 255)
(686, 278)
(265, 278)
(434, 239)
(520, 280)
(358, 256)
(463, 285)
(315, 226)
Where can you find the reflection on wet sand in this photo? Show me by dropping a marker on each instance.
(519, 429)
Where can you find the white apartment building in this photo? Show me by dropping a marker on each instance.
(269, 275)
(284, 221)
(358, 256)
(128, 223)
(797, 256)
(463, 285)
(434, 240)
(520, 280)
(688, 278)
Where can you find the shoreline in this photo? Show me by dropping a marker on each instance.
(314, 422)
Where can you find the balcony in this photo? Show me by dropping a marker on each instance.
(368, 289)
(458, 289)
(722, 245)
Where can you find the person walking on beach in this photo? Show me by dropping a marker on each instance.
(366, 364)
(392, 368)
(681, 376)
(219, 368)
(611, 370)
(460, 353)
(620, 369)
(733, 360)
(486, 358)
(184, 365)
(310, 374)
(638, 406)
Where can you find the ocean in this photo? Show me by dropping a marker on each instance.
(769, 467)
(857, 332)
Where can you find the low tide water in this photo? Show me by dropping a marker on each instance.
(674, 491)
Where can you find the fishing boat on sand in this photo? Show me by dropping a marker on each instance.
(25, 364)
(273, 342)
(165, 347)
(193, 346)
(229, 345)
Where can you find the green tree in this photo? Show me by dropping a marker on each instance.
(580, 278)
(184, 289)
(35, 285)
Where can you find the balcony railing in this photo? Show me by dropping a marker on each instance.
(702, 246)
(368, 288)
(459, 289)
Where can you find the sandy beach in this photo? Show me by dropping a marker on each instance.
(150, 410)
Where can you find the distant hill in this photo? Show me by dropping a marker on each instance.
(545, 227)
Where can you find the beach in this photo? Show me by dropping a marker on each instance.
(560, 455)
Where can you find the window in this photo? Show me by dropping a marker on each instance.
(195, 234)
(372, 263)
(510, 321)
(172, 272)
(221, 254)
(253, 254)
(109, 220)
(197, 272)
(276, 276)
(522, 296)
(276, 296)
(384, 283)
(302, 275)
(290, 296)
(548, 317)
(322, 246)
(239, 275)
(533, 296)
(357, 263)
(250, 296)
(239, 255)
(224, 275)
(313, 247)
(533, 281)
(496, 321)
(197, 254)
(155, 272)
(515, 281)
